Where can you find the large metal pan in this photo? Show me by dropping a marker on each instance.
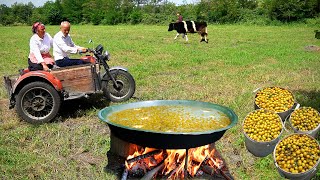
(166, 140)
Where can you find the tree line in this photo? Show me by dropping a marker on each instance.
(112, 12)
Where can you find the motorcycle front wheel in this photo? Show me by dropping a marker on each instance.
(126, 86)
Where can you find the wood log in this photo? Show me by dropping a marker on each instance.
(208, 169)
(171, 174)
(124, 174)
(150, 175)
(143, 156)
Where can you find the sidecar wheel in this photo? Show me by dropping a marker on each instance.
(38, 103)
(126, 86)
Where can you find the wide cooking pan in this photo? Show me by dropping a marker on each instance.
(166, 140)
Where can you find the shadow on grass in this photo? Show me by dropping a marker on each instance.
(115, 165)
(78, 107)
(308, 98)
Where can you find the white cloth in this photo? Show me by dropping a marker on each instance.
(38, 47)
(63, 45)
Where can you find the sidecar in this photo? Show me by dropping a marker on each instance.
(37, 95)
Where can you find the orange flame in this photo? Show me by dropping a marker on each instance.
(174, 163)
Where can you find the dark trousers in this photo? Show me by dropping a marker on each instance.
(36, 67)
(68, 62)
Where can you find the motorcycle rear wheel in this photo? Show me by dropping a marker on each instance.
(38, 102)
(125, 82)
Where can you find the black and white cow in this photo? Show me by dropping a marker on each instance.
(185, 27)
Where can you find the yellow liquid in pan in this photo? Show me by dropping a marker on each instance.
(171, 119)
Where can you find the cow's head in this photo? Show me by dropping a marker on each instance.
(171, 26)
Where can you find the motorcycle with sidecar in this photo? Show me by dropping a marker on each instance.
(37, 95)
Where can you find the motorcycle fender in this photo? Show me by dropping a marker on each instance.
(55, 82)
(118, 67)
(105, 76)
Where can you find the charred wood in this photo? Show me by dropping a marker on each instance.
(208, 169)
(124, 174)
(143, 156)
(138, 170)
(151, 174)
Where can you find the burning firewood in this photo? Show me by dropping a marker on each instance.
(178, 171)
(124, 174)
(215, 169)
(151, 174)
(208, 169)
(150, 164)
(143, 156)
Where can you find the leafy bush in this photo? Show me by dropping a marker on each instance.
(255, 17)
(291, 10)
(135, 17)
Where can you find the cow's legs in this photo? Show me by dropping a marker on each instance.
(186, 37)
(205, 36)
(176, 36)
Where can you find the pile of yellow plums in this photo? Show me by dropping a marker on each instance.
(275, 99)
(262, 125)
(297, 153)
(305, 119)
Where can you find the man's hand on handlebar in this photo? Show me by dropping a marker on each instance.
(82, 50)
(89, 50)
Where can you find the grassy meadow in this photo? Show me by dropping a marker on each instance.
(237, 60)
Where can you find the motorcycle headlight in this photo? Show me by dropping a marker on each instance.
(106, 55)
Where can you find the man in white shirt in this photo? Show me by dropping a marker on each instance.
(63, 46)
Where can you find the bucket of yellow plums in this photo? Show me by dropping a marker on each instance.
(297, 156)
(275, 99)
(305, 120)
(262, 129)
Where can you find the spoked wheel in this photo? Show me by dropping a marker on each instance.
(126, 86)
(38, 102)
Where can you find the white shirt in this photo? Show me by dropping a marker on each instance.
(62, 46)
(39, 46)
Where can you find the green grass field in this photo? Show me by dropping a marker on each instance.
(237, 60)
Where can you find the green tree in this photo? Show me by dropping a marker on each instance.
(291, 10)
(22, 12)
(38, 15)
(129, 12)
(221, 11)
(72, 10)
(91, 11)
(6, 15)
(52, 12)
